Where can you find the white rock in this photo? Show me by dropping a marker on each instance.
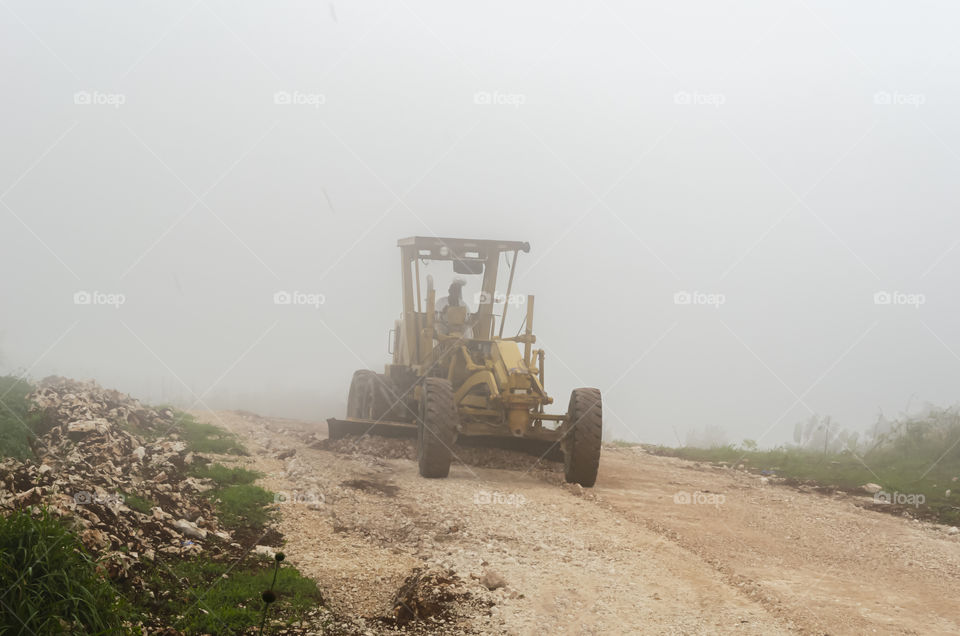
(871, 488)
(265, 550)
(190, 529)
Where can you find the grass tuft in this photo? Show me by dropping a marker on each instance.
(225, 476)
(203, 437)
(140, 504)
(243, 506)
(50, 582)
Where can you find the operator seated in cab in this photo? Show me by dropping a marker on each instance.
(447, 321)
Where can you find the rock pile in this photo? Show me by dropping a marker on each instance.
(119, 471)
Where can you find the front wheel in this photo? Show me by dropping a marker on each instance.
(583, 431)
(436, 428)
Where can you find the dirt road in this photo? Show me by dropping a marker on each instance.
(744, 556)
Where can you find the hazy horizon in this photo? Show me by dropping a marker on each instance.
(739, 215)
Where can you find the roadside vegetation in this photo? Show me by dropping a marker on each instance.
(239, 503)
(51, 583)
(202, 437)
(219, 597)
(915, 459)
(17, 427)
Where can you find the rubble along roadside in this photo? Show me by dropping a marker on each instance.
(173, 533)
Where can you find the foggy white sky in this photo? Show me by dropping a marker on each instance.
(793, 157)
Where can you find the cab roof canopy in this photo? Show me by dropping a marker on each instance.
(460, 248)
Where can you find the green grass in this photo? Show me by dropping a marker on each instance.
(202, 437)
(50, 583)
(238, 502)
(225, 476)
(135, 502)
(920, 457)
(17, 426)
(242, 505)
(203, 601)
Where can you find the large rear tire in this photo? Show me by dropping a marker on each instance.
(359, 399)
(436, 428)
(373, 397)
(361, 403)
(583, 431)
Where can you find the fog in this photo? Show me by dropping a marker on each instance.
(714, 194)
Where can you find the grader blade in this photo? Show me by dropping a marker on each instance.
(338, 428)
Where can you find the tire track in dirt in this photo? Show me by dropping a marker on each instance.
(823, 562)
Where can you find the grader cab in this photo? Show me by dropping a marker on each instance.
(454, 373)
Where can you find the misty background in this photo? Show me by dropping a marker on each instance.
(741, 215)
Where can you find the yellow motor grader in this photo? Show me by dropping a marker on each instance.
(454, 374)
